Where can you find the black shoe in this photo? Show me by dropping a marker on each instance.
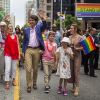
(86, 73)
(49, 88)
(1, 79)
(93, 76)
(97, 68)
(46, 90)
(54, 71)
(28, 89)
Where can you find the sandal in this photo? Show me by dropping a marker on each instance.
(7, 86)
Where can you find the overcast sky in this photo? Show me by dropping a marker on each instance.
(18, 9)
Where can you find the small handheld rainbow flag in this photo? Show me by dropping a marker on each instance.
(88, 45)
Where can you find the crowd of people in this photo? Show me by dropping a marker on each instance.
(58, 52)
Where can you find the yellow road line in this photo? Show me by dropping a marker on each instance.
(17, 87)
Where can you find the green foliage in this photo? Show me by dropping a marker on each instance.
(69, 19)
(57, 22)
(26, 25)
(2, 14)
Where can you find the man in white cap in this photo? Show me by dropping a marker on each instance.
(2, 43)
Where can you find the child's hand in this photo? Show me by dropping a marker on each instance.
(64, 65)
(41, 52)
(67, 53)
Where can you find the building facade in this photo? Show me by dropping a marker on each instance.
(29, 5)
(31, 8)
(93, 22)
(12, 20)
(67, 7)
(52, 7)
(5, 5)
(1, 4)
(47, 6)
(34, 7)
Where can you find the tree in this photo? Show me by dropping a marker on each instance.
(69, 19)
(2, 14)
(24, 26)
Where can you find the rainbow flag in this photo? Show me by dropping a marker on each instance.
(88, 45)
(87, 9)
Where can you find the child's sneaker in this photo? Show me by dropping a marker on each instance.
(46, 90)
(65, 93)
(59, 91)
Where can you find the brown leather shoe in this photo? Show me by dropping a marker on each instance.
(34, 86)
(28, 89)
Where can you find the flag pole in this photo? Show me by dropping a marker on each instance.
(60, 17)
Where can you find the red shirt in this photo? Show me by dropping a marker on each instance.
(12, 47)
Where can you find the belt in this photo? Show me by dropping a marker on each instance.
(32, 47)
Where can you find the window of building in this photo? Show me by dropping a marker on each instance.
(78, 1)
(48, 1)
(48, 7)
(92, 1)
(49, 14)
(96, 25)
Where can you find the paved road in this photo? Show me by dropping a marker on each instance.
(6, 95)
(89, 88)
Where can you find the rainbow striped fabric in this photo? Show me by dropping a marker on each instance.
(88, 45)
(87, 10)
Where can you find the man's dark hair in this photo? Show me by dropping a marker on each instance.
(34, 17)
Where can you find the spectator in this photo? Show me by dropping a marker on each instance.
(91, 59)
(3, 27)
(97, 44)
(58, 35)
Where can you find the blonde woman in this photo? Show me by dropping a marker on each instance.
(11, 53)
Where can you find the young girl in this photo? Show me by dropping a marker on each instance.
(49, 59)
(63, 56)
(11, 53)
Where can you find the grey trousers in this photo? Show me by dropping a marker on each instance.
(2, 63)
